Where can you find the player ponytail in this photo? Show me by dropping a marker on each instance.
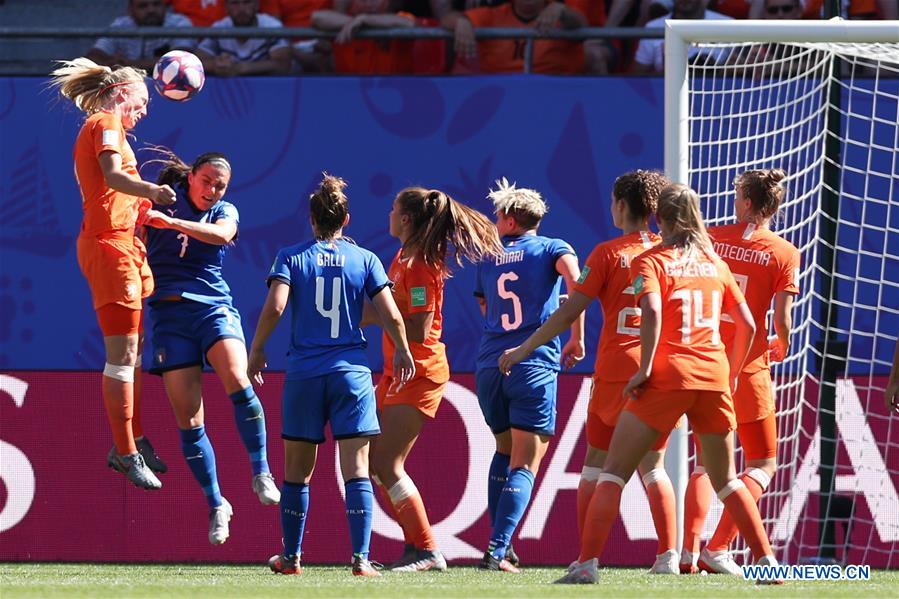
(526, 206)
(438, 220)
(764, 189)
(679, 209)
(640, 190)
(329, 207)
(174, 171)
(91, 86)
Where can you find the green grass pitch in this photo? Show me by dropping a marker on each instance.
(194, 581)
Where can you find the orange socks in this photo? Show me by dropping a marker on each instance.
(756, 481)
(660, 493)
(407, 538)
(738, 501)
(697, 501)
(601, 516)
(118, 397)
(585, 489)
(411, 514)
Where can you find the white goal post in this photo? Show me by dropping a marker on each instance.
(821, 100)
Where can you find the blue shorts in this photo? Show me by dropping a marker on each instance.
(345, 398)
(524, 400)
(184, 331)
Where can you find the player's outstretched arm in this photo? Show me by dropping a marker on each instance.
(650, 332)
(116, 178)
(275, 303)
(554, 326)
(744, 330)
(574, 350)
(891, 397)
(218, 233)
(783, 324)
(392, 321)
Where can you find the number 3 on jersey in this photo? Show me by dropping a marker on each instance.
(509, 324)
(332, 313)
(742, 283)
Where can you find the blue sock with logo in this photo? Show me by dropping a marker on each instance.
(359, 512)
(294, 507)
(200, 458)
(512, 503)
(496, 480)
(251, 425)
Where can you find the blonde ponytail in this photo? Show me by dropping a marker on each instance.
(89, 85)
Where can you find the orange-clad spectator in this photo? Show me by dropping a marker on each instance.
(507, 55)
(367, 56)
(202, 13)
(313, 56)
(852, 9)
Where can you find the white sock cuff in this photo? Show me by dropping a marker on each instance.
(759, 476)
(654, 476)
(403, 489)
(590, 473)
(139, 362)
(729, 488)
(119, 372)
(605, 477)
(699, 470)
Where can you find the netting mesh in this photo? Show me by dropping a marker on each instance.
(766, 105)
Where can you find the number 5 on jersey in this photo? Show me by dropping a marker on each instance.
(509, 324)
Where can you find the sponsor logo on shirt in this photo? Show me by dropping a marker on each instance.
(638, 284)
(584, 274)
(418, 296)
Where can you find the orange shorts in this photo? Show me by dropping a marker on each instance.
(116, 270)
(116, 319)
(754, 398)
(759, 438)
(708, 411)
(599, 434)
(606, 401)
(421, 393)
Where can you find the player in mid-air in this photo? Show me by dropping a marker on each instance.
(326, 282)
(195, 321)
(681, 288)
(112, 259)
(606, 277)
(517, 292)
(766, 267)
(427, 223)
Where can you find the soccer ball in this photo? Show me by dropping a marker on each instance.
(178, 75)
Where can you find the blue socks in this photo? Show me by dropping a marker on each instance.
(200, 458)
(294, 507)
(513, 502)
(496, 480)
(359, 506)
(250, 421)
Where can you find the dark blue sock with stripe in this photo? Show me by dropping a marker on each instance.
(513, 502)
(294, 506)
(250, 419)
(200, 458)
(359, 512)
(496, 480)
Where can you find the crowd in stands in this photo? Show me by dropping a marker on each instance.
(464, 54)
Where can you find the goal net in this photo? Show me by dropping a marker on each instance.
(821, 101)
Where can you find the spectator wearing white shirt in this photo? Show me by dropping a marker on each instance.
(242, 55)
(140, 52)
(650, 57)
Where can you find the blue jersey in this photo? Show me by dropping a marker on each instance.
(521, 289)
(186, 266)
(328, 284)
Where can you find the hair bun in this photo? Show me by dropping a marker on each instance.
(775, 176)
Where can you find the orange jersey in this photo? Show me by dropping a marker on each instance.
(762, 264)
(105, 209)
(606, 276)
(507, 56)
(294, 13)
(694, 292)
(202, 13)
(419, 288)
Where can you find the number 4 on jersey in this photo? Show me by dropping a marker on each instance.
(332, 313)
